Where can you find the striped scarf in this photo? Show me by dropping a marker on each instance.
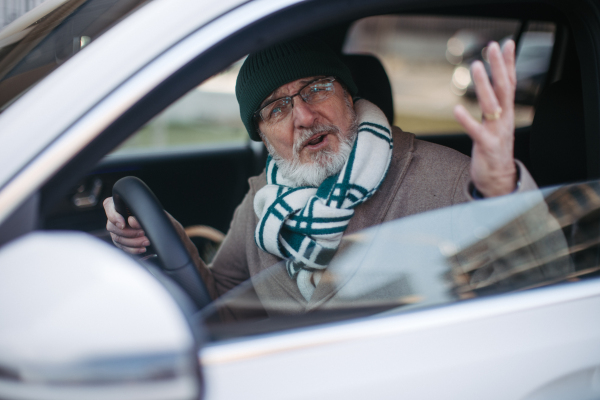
(304, 225)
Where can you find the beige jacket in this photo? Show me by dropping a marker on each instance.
(422, 176)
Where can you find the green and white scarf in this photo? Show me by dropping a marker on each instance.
(304, 225)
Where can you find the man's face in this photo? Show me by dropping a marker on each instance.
(312, 134)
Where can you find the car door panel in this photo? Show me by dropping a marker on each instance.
(463, 351)
(200, 187)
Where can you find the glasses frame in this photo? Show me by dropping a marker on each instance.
(257, 114)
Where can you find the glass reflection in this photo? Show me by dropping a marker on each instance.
(482, 248)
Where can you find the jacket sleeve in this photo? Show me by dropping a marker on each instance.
(526, 182)
(229, 267)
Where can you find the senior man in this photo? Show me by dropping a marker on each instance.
(336, 167)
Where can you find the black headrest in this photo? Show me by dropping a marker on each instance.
(372, 81)
(557, 141)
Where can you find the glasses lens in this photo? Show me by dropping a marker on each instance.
(318, 91)
(276, 111)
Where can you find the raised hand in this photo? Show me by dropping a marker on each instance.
(493, 169)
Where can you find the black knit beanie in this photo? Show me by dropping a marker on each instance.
(267, 70)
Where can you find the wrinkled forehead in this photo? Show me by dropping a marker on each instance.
(288, 89)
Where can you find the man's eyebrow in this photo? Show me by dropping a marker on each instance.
(274, 96)
(269, 99)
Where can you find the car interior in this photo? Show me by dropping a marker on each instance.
(201, 186)
(550, 155)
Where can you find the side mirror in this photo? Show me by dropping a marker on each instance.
(79, 319)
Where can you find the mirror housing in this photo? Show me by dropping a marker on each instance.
(80, 319)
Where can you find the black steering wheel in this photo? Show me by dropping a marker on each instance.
(133, 197)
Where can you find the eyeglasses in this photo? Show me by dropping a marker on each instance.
(312, 93)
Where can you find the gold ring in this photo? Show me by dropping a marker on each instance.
(492, 117)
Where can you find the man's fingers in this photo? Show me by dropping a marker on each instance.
(112, 214)
(485, 93)
(134, 223)
(131, 250)
(502, 83)
(130, 238)
(508, 53)
(138, 242)
(127, 232)
(472, 126)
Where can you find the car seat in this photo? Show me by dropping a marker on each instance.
(557, 138)
(372, 81)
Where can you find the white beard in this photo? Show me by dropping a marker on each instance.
(324, 163)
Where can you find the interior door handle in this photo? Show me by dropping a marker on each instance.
(85, 198)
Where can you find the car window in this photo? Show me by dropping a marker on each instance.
(472, 250)
(40, 41)
(206, 116)
(427, 60)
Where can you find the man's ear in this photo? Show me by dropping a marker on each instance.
(262, 138)
(349, 97)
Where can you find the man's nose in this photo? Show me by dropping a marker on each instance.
(303, 113)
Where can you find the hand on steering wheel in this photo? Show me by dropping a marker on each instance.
(128, 237)
(132, 197)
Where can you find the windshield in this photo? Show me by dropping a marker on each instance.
(37, 43)
(468, 251)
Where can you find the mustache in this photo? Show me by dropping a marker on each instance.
(307, 133)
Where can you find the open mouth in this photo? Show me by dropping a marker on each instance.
(315, 140)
